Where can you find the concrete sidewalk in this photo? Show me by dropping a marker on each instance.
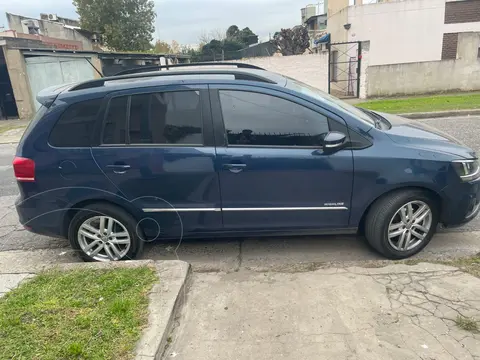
(11, 281)
(396, 312)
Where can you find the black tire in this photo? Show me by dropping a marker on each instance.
(136, 245)
(382, 212)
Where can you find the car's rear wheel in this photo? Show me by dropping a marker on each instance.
(401, 224)
(103, 232)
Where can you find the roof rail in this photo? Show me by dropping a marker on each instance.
(159, 67)
(238, 75)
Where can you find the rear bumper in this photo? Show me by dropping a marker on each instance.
(47, 222)
(461, 203)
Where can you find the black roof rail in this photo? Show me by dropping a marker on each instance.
(159, 67)
(238, 75)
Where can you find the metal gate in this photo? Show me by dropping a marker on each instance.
(344, 61)
(45, 71)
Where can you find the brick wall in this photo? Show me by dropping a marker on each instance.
(462, 11)
(449, 46)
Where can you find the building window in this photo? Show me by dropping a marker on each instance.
(449, 46)
(351, 2)
(462, 11)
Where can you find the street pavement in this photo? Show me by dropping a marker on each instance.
(289, 254)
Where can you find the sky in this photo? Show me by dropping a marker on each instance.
(185, 20)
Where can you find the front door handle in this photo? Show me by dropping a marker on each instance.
(119, 168)
(235, 168)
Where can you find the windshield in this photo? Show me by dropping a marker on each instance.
(331, 100)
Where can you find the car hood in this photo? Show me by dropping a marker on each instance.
(423, 136)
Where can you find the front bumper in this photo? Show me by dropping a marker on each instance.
(461, 203)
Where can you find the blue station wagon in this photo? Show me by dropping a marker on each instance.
(220, 151)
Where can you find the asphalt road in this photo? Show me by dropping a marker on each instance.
(249, 253)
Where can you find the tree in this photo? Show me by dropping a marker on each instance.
(218, 34)
(213, 46)
(123, 24)
(232, 32)
(245, 36)
(215, 34)
(175, 47)
(162, 47)
(292, 41)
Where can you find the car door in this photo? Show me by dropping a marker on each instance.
(274, 172)
(157, 148)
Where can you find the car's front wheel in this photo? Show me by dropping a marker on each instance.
(401, 224)
(103, 232)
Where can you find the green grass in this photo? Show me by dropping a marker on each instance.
(424, 104)
(79, 314)
(467, 324)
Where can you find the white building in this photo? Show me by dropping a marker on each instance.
(404, 31)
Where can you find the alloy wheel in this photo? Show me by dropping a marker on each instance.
(410, 226)
(104, 238)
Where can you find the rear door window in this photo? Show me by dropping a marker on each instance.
(168, 118)
(171, 118)
(115, 128)
(76, 125)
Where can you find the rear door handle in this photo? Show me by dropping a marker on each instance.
(235, 168)
(119, 168)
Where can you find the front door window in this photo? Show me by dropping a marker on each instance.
(254, 119)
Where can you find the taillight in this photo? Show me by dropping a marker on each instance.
(24, 169)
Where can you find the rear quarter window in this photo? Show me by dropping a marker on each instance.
(38, 116)
(76, 125)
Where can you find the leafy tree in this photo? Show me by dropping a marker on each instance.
(232, 32)
(214, 46)
(162, 47)
(245, 36)
(123, 24)
(229, 46)
(292, 41)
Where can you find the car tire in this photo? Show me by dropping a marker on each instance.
(123, 224)
(389, 216)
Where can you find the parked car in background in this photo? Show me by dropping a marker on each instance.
(232, 151)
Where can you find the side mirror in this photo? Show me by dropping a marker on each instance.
(334, 140)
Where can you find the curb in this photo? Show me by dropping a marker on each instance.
(163, 308)
(440, 114)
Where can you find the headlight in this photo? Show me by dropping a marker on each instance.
(468, 170)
